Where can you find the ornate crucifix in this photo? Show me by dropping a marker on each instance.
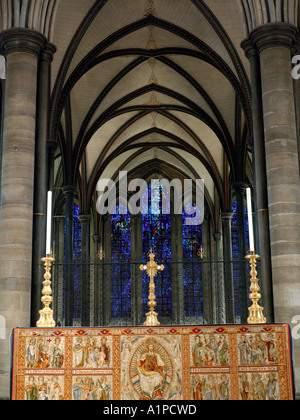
(152, 268)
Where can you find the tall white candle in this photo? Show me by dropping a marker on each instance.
(49, 223)
(250, 221)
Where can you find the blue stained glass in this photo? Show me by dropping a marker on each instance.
(156, 235)
(76, 261)
(237, 265)
(192, 266)
(121, 267)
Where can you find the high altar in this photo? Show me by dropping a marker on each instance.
(153, 363)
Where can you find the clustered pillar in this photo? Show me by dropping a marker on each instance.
(22, 49)
(275, 45)
(41, 183)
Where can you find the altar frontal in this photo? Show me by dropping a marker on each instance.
(153, 363)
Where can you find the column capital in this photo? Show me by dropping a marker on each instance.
(48, 52)
(69, 190)
(240, 187)
(249, 48)
(22, 40)
(52, 145)
(84, 218)
(217, 236)
(96, 238)
(227, 216)
(280, 34)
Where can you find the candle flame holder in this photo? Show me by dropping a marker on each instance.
(46, 314)
(256, 311)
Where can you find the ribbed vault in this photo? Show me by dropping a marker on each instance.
(160, 83)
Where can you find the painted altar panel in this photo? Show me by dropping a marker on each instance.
(178, 363)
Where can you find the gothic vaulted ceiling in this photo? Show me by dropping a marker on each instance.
(150, 86)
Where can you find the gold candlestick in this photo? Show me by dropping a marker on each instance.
(201, 252)
(152, 269)
(46, 314)
(101, 254)
(256, 311)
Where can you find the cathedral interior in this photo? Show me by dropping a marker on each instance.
(161, 90)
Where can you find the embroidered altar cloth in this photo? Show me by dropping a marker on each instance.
(153, 363)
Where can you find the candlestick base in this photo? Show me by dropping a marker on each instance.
(256, 311)
(151, 320)
(46, 314)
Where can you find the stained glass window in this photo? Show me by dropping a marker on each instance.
(121, 267)
(156, 235)
(76, 261)
(238, 264)
(192, 266)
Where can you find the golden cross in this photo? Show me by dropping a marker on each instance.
(152, 268)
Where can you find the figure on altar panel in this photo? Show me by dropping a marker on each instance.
(245, 349)
(105, 389)
(104, 352)
(245, 388)
(54, 389)
(44, 353)
(271, 349)
(92, 388)
(58, 354)
(31, 390)
(257, 349)
(259, 386)
(125, 351)
(43, 357)
(273, 388)
(151, 373)
(151, 368)
(31, 354)
(41, 388)
(198, 388)
(79, 353)
(91, 353)
(209, 351)
(210, 387)
(77, 389)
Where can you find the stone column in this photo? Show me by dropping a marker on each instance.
(40, 181)
(96, 242)
(58, 291)
(85, 272)
(69, 192)
(228, 273)
(274, 44)
(177, 269)
(2, 99)
(218, 291)
(106, 285)
(297, 98)
(260, 183)
(208, 308)
(52, 146)
(22, 49)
